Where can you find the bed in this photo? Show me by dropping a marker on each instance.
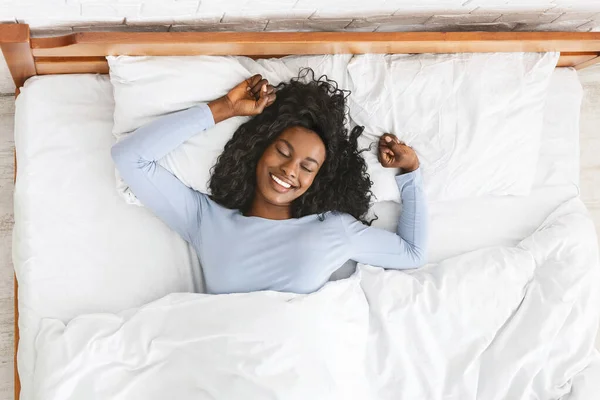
(79, 249)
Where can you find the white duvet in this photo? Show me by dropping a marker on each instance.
(497, 323)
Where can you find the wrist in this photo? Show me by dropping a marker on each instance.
(411, 168)
(221, 109)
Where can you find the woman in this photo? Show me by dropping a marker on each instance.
(289, 192)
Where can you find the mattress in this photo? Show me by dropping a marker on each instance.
(78, 248)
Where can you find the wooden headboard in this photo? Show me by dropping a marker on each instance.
(85, 53)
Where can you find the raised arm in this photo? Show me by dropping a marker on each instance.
(136, 157)
(179, 206)
(404, 249)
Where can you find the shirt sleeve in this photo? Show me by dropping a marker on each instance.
(404, 249)
(136, 156)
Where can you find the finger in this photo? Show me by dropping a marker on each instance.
(270, 99)
(388, 159)
(254, 79)
(391, 139)
(387, 140)
(383, 144)
(263, 98)
(395, 146)
(389, 144)
(250, 82)
(260, 86)
(386, 153)
(261, 104)
(270, 90)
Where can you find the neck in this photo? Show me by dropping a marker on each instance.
(263, 209)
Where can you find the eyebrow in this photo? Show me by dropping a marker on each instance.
(292, 149)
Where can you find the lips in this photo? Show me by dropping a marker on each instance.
(280, 185)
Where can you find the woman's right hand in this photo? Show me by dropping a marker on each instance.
(248, 98)
(394, 153)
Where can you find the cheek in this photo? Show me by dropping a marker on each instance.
(265, 160)
(306, 180)
(269, 159)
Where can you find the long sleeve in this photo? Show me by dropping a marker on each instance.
(160, 191)
(401, 250)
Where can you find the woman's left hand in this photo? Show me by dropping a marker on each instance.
(393, 153)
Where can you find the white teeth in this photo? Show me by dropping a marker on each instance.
(282, 183)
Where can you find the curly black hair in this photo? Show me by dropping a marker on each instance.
(341, 185)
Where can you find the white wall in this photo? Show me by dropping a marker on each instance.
(273, 15)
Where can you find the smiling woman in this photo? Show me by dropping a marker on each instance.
(289, 193)
(301, 140)
(292, 162)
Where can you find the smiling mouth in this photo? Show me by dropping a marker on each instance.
(281, 183)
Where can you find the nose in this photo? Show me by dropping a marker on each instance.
(290, 169)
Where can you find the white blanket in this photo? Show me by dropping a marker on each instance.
(497, 323)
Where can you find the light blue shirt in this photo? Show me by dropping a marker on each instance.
(245, 254)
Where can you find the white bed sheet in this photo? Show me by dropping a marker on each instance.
(78, 248)
(457, 227)
(466, 225)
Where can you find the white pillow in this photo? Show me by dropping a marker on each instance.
(474, 120)
(146, 88)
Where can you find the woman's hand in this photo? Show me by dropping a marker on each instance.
(396, 154)
(248, 98)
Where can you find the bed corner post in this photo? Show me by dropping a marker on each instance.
(17, 381)
(16, 47)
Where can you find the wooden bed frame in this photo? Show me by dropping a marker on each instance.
(85, 53)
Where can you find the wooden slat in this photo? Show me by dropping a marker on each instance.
(588, 63)
(99, 65)
(89, 44)
(14, 41)
(71, 65)
(573, 59)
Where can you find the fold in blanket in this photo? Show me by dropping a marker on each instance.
(497, 323)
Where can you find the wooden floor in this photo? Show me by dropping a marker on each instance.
(6, 222)
(590, 192)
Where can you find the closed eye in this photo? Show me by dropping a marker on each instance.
(282, 153)
(306, 169)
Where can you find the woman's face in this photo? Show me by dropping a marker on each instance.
(289, 165)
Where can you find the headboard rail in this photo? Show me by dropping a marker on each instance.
(85, 52)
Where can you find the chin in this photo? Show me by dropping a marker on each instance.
(278, 199)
